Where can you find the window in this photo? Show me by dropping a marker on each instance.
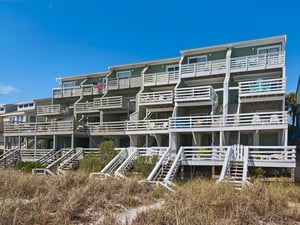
(24, 106)
(69, 84)
(172, 68)
(123, 74)
(269, 55)
(2, 109)
(197, 59)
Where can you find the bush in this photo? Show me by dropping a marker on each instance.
(27, 166)
(145, 164)
(95, 162)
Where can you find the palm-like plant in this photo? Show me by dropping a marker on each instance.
(291, 104)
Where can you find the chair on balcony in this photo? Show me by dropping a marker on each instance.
(256, 119)
(274, 119)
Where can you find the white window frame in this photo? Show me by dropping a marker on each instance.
(172, 66)
(125, 71)
(196, 57)
(268, 47)
(71, 84)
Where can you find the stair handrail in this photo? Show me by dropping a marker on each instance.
(174, 166)
(158, 165)
(112, 162)
(8, 153)
(50, 166)
(225, 164)
(77, 154)
(47, 156)
(245, 165)
(130, 158)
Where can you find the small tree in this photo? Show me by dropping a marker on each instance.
(291, 104)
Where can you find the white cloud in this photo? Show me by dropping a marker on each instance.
(6, 89)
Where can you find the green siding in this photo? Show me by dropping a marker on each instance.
(210, 56)
(239, 52)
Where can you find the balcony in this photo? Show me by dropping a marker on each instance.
(123, 83)
(39, 128)
(147, 126)
(231, 122)
(115, 102)
(107, 128)
(49, 110)
(85, 107)
(92, 90)
(66, 92)
(203, 68)
(252, 121)
(259, 156)
(189, 96)
(262, 90)
(77, 91)
(258, 62)
(156, 99)
(163, 78)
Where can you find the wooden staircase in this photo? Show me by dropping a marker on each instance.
(112, 166)
(235, 167)
(9, 157)
(53, 163)
(127, 164)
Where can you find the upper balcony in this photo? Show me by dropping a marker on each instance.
(242, 121)
(107, 128)
(85, 107)
(114, 102)
(147, 126)
(258, 62)
(203, 68)
(163, 78)
(190, 96)
(156, 99)
(76, 91)
(123, 83)
(262, 90)
(50, 110)
(39, 128)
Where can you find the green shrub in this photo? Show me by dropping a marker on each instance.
(145, 164)
(95, 162)
(27, 166)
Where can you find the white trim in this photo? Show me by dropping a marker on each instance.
(196, 57)
(172, 66)
(268, 47)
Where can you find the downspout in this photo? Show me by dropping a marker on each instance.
(81, 96)
(104, 94)
(225, 93)
(173, 136)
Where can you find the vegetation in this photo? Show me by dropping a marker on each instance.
(27, 166)
(76, 199)
(144, 165)
(291, 105)
(95, 162)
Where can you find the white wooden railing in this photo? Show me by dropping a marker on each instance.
(204, 93)
(32, 155)
(90, 89)
(156, 98)
(106, 127)
(145, 125)
(242, 119)
(49, 110)
(39, 127)
(84, 107)
(67, 92)
(271, 153)
(162, 78)
(199, 153)
(152, 151)
(108, 102)
(122, 83)
(260, 60)
(261, 86)
(203, 68)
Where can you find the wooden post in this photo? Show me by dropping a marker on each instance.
(213, 171)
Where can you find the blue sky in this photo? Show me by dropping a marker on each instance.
(44, 39)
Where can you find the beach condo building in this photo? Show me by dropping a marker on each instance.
(217, 110)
